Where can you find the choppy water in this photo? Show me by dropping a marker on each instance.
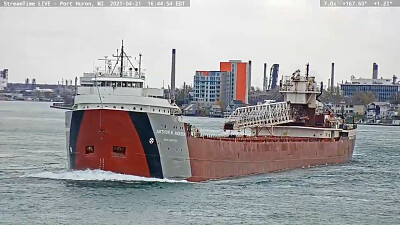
(36, 187)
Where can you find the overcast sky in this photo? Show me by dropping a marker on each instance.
(54, 43)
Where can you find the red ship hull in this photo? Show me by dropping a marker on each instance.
(96, 138)
(215, 159)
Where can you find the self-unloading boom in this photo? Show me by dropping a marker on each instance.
(264, 115)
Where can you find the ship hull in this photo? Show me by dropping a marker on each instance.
(154, 145)
(215, 159)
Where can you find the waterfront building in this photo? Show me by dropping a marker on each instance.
(378, 111)
(383, 89)
(231, 82)
(207, 86)
(3, 79)
(347, 107)
(239, 80)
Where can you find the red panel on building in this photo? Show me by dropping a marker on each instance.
(241, 82)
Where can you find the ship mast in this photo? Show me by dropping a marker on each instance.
(140, 64)
(122, 59)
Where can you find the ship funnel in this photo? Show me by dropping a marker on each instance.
(332, 78)
(394, 79)
(172, 94)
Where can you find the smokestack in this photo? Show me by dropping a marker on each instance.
(332, 78)
(394, 79)
(307, 69)
(173, 75)
(249, 78)
(274, 73)
(265, 78)
(76, 84)
(374, 71)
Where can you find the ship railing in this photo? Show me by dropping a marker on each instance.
(264, 115)
(268, 139)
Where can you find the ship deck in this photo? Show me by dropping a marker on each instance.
(265, 139)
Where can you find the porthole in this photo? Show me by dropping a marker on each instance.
(134, 108)
(122, 107)
(114, 107)
(89, 150)
(141, 108)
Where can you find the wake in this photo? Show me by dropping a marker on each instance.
(98, 175)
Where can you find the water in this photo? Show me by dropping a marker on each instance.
(36, 187)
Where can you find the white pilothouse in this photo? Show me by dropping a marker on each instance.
(123, 90)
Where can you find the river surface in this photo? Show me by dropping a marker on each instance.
(37, 188)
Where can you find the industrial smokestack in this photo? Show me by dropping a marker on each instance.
(332, 78)
(374, 71)
(274, 73)
(249, 78)
(76, 85)
(265, 78)
(173, 75)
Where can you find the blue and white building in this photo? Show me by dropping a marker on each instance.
(383, 89)
(209, 86)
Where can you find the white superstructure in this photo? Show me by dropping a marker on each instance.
(121, 91)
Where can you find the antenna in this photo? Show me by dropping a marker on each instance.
(140, 64)
(105, 63)
(122, 59)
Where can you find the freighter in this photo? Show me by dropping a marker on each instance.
(117, 124)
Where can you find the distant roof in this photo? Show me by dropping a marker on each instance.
(120, 79)
(215, 106)
(189, 107)
(346, 100)
(237, 102)
(365, 81)
(380, 103)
